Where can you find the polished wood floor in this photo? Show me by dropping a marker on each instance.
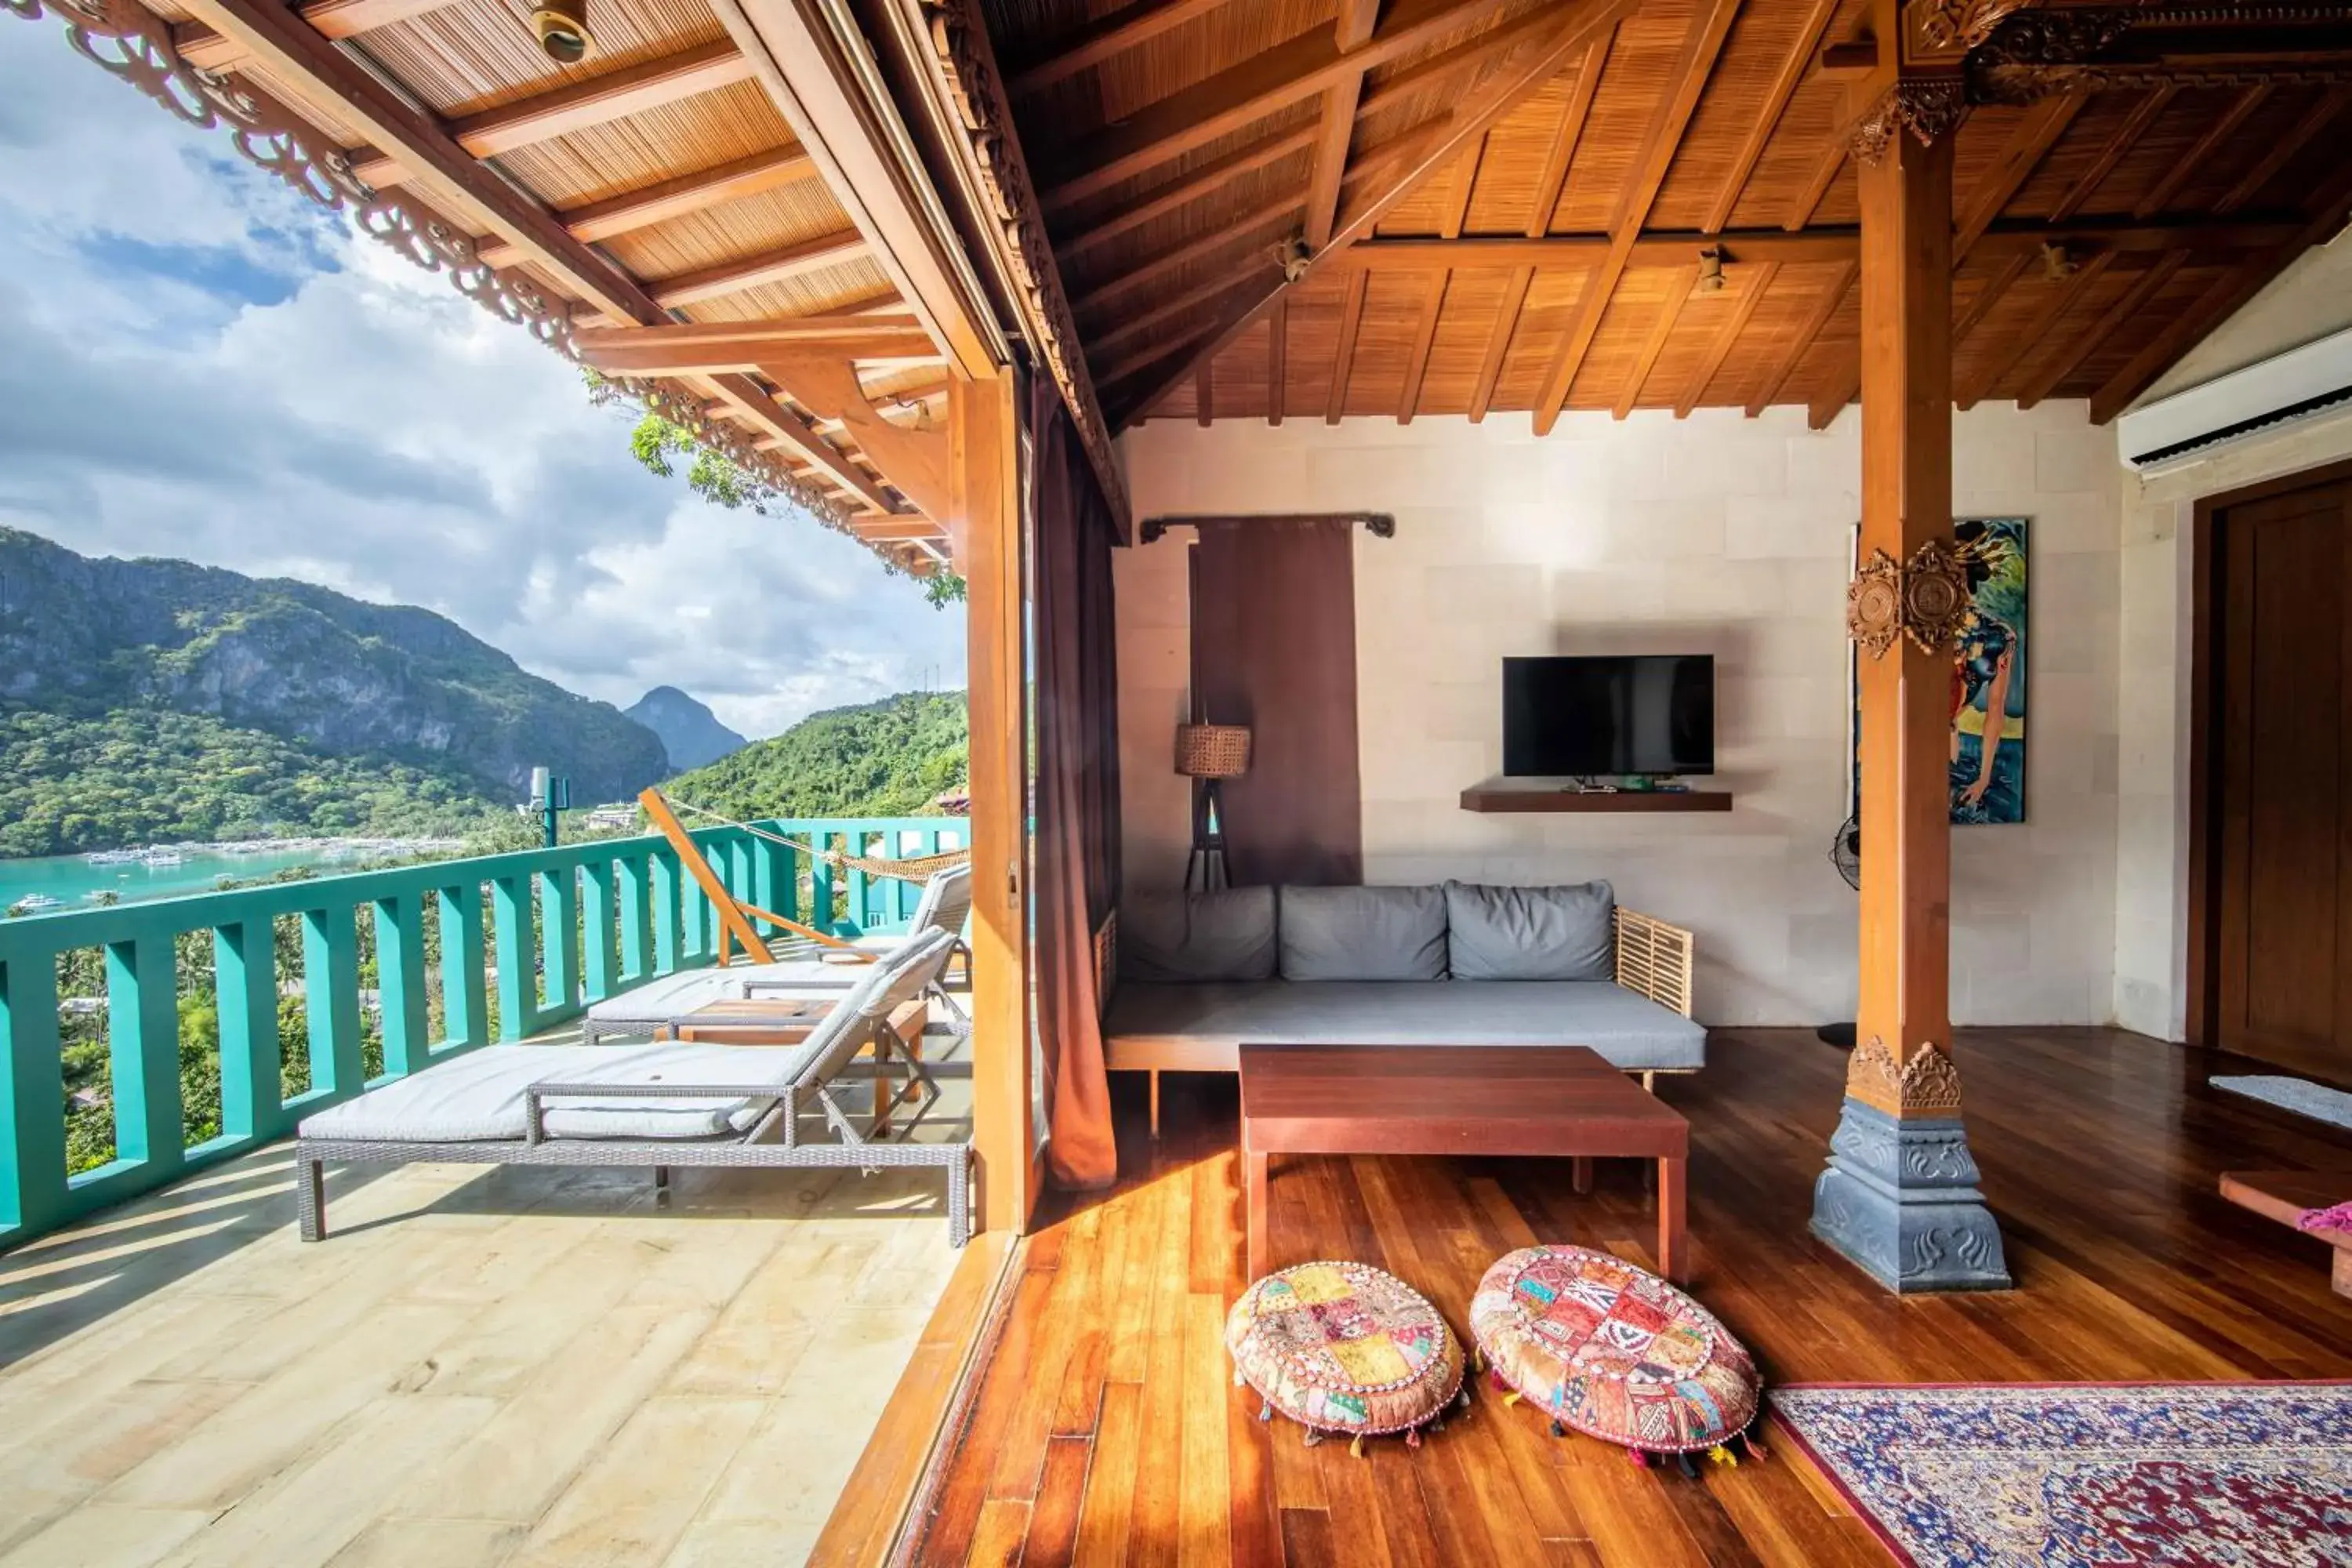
(1106, 1430)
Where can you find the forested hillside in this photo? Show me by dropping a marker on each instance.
(147, 700)
(890, 758)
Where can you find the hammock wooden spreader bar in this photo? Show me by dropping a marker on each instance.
(915, 869)
(734, 919)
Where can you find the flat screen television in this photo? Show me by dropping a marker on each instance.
(1572, 717)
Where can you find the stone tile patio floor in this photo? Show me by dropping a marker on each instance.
(479, 1365)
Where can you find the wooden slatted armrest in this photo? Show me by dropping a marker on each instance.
(1653, 959)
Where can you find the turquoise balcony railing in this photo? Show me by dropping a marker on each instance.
(316, 990)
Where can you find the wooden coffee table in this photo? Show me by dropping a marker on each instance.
(1563, 1100)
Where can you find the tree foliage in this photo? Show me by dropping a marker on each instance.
(891, 758)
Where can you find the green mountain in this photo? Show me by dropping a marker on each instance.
(690, 732)
(145, 700)
(890, 758)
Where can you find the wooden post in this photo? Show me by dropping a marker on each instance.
(984, 433)
(1899, 1196)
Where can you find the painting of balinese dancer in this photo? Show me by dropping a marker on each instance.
(1989, 675)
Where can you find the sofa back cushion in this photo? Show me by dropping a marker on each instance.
(1363, 934)
(1181, 938)
(1531, 934)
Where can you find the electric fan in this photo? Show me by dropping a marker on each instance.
(1845, 854)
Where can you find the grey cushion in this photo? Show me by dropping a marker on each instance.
(1531, 934)
(1226, 935)
(1363, 934)
(1632, 1031)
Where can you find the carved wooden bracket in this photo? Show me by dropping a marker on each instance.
(2032, 54)
(1927, 1083)
(1925, 599)
(1927, 107)
(915, 460)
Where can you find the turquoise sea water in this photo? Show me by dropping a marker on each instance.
(71, 879)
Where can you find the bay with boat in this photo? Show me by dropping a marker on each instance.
(49, 884)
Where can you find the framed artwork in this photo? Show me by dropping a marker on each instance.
(1988, 685)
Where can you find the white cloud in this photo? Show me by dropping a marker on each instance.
(201, 363)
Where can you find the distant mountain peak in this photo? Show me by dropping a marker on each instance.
(690, 732)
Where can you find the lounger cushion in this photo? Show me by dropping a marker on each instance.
(1179, 937)
(479, 1096)
(1363, 934)
(1632, 1031)
(1530, 934)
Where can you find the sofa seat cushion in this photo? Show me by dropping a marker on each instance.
(479, 1096)
(1632, 1032)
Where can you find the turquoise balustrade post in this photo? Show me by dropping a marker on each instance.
(245, 990)
(32, 1098)
(771, 889)
(788, 883)
(667, 876)
(692, 907)
(465, 989)
(142, 1033)
(821, 882)
(634, 876)
(598, 975)
(861, 907)
(559, 942)
(331, 995)
(510, 929)
(400, 983)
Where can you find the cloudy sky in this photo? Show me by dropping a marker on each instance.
(200, 363)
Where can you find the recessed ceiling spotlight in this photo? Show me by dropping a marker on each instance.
(563, 29)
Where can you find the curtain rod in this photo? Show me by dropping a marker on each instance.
(1380, 525)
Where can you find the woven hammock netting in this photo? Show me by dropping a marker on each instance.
(917, 869)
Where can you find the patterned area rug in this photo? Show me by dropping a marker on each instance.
(2177, 1475)
(2299, 1095)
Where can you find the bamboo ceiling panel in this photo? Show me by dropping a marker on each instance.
(481, 53)
(1510, 169)
(655, 144)
(1166, 65)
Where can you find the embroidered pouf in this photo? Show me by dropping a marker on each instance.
(1614, 1352)
(1345, 1348)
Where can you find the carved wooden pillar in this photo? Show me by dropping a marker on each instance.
(1900, 1195)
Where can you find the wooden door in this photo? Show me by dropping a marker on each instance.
(2283, 728)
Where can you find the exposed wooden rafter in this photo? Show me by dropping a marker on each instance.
(1701, 45)
(1349, 33)
(1255, 223)
(2191, 163)
(703, 346)
(1277, 355)
(754, 271)
(1794, 68)
(2067, 356)
(2112, 151)
(675, 198)
(1753, 285)
(1103, 37)
(1352, 317)
(201, 46)
(1678, 289)
(1995, 366)
(1825, 305)
(1183, 193)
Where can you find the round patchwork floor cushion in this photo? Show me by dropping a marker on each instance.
(1612, 1349)
(1343, 1347)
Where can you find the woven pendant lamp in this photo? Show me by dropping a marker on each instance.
(1209, 753)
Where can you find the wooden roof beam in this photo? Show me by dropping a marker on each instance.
(1286, 74)
(1104, 38)
(1351, 324)
(1212, 177)
(2020, 156)
(753, 272)
(1702, 44)
(1794, 68)
(914, 461)
(655, 203)
(1217, 286)
(896, 528)
(1551, 181)
(1421, 153)
(200, 45)
(1349, 33)
(1473, 54)
(2113, 151)
(2192, 163)
(1823, 309)
(2061, 363)
(1678, 292)
(1752, 288)
(1277, 355)
(2329, 108)
(702, 346)
(2035, 336)
(796, 435)
(1253, 223)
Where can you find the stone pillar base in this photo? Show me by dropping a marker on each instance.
(1900, 1199)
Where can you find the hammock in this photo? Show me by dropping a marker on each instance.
(915, 869)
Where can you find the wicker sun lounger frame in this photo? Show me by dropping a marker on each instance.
(770, 1141)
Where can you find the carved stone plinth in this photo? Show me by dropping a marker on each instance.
(1900, 1199)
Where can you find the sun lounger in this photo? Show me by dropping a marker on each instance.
(634, 1013)
(654, 1105)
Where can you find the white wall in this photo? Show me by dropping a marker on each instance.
(1713, 533)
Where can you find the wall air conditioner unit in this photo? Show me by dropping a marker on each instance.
(2188, 426)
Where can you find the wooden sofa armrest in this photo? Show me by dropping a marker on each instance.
(1653, 959)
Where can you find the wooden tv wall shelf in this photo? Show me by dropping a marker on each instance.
(1500, 795)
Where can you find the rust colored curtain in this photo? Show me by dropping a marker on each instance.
(1274, 647)
(1077, 870)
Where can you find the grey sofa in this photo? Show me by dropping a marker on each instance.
(1462, 964)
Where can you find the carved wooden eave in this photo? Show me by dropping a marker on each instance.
(743, 424)
(960, 70)
(2034, 53)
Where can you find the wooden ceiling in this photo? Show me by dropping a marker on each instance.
(1513, 206)
(657, 184)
